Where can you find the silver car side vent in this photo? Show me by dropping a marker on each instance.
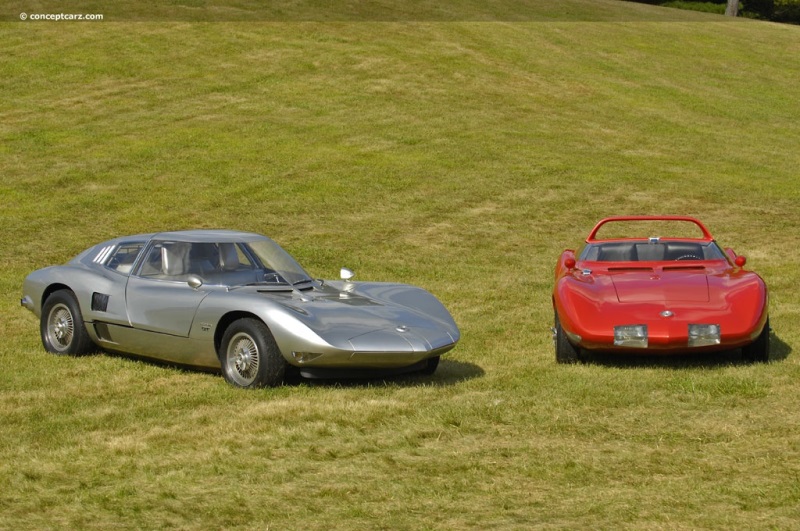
(103, 334)
(99, 302)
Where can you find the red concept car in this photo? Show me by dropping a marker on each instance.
(657, 294)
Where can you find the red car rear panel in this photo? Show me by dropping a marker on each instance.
(592, 297)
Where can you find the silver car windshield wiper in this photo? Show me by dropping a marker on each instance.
(281, 283)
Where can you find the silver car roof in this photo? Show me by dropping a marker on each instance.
(208, 235)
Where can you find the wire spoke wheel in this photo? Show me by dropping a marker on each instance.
(60, 327)
(249, 356)
(243, 359)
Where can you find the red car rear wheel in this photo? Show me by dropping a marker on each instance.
(566, 352)
(758, 350)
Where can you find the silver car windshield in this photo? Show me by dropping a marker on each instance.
(274, 258)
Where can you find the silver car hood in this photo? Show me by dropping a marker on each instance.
(372, 317)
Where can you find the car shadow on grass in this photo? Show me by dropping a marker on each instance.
(449, 372)
(779, 350)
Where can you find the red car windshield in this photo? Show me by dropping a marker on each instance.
(651, 251)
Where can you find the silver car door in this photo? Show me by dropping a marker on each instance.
(158, 297)
(108, 303)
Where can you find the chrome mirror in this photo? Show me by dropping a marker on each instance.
(346, 274)
(194, 281)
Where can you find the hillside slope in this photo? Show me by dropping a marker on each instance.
(457, 149)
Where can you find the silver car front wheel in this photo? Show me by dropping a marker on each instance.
(249, 355)
(242, 359)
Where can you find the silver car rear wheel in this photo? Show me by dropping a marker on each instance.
(249, 355)
(61, 327)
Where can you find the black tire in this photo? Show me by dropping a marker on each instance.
(249, 355)
(566, 352)
(430, 368)
(758, 350)
(61, 325)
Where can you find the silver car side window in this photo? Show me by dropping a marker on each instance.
(123, 258)
(166, 261)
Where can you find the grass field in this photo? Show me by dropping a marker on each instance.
(461, 154)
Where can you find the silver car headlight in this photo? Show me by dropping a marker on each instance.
(701, 335)
(630, 336)
(305, 357)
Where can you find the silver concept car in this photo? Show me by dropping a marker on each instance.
(235, 301)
